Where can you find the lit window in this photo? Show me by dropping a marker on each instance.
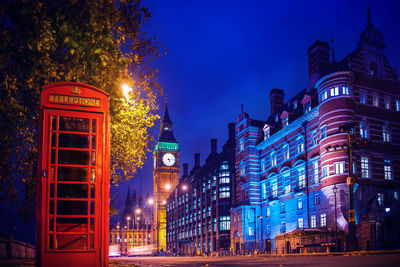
(273, 159)
(388, 170)
(299, 204)
(323, 219)
(338, 167)
(263, 164)
(307, 106)
(375, 100)
(294, 104)
(268, 229)
(242, 170)
(264, 191)
(314, 137)
(363, 130)
(325, 171)
(251, 231)
(275, 189)
(224, 192)
(285, 152)
(224, 223)
(323, 95)
(266, 133)
(241, 143)
(285, 121)
(323, 131)
(301, 178)
(316, 199)
(387, 102)
(300, 145)
(334, 91)
(364, 167)
(300, 223)
(386, 133)
(345, 90)
(313, 221)
(363, 97)
(268, 212)
(397, 104)
(283, 227)
(315, 172)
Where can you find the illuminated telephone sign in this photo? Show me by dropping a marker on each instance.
(73, 176)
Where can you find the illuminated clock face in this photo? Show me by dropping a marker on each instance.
(168, 159)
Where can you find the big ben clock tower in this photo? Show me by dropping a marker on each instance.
(165, 176)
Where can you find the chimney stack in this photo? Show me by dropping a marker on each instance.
(276, 97)
(213, 146)
(197, 160)
(185, 169)
(231, 127)
(318, 60)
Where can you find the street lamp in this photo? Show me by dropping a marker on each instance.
(126, 89)
(184, 187)
(150, 201)
(168, 186)
(260, 235)
(335, 191)
(128, 219)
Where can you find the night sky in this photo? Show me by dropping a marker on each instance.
(221, 54)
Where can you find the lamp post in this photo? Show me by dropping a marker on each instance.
(260, 237)
(335, 191)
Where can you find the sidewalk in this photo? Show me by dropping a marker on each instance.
(352, 253)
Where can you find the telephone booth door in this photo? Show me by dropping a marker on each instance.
(73, 184)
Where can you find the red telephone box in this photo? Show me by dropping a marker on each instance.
(73, 176)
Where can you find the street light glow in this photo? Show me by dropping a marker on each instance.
(168, 186)
(138, 211)
(184, 187)
(150, 201)
(126, 90)
(164, 202)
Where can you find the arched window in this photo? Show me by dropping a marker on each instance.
(363, 129)
(285, 149)
(273, 158)
(386, 133)
(300, 145)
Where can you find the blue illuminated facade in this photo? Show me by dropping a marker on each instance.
(291, 169)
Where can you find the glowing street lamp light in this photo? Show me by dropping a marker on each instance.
(138, 211)
(164, 202)
(126, 90)
(168, 186)
(150, 201)
(128, 218)
(184, 187)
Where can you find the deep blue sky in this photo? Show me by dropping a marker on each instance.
(221, 54)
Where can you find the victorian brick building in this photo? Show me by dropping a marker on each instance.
(198, 209)
(292, 186)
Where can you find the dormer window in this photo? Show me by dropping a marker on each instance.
(285, 121)
(285, 118)
(373, 69)
(294, 104)
(276, 118)
(166, 128)
(307, 106)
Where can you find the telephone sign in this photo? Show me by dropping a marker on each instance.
(73, 176)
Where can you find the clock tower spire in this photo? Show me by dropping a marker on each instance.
(166, 157)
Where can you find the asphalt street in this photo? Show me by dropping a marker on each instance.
(341, 261)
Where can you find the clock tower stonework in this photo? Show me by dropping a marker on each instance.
(166, 158)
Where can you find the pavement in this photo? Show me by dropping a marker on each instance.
(343, 259)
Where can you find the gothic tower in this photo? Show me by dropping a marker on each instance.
(165, 176)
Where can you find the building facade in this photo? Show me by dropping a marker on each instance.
(198, 210)
(292, 169)
(134, 231)
(166, 172)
